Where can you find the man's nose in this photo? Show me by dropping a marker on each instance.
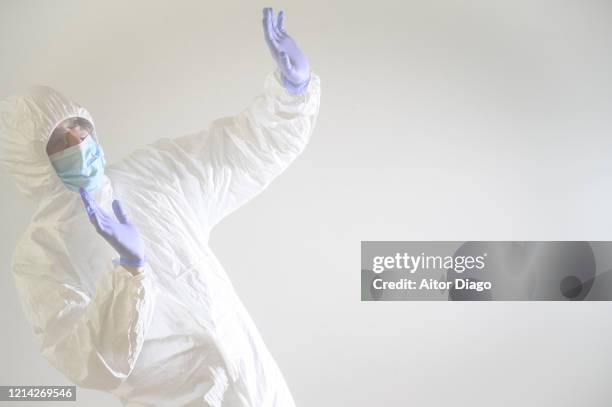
(73, 137)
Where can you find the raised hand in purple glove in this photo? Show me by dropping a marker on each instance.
(119, 233)
(292, 63)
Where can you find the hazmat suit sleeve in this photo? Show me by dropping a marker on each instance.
(92, 338)
(224, 166)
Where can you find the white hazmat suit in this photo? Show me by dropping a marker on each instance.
(177, 334)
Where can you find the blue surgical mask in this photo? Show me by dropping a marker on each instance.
(81, 165)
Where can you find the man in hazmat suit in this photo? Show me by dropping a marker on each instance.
(161, 324)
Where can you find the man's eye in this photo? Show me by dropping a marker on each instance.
(59, 134)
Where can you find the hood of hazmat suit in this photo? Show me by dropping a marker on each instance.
(177, 334)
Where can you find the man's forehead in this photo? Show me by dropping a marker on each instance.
(69, 122)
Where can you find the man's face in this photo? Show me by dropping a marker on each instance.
(68, 133)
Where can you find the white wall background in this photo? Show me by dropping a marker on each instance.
(441, 120)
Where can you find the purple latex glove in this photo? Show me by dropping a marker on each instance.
(119, 233)
(292, 63)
